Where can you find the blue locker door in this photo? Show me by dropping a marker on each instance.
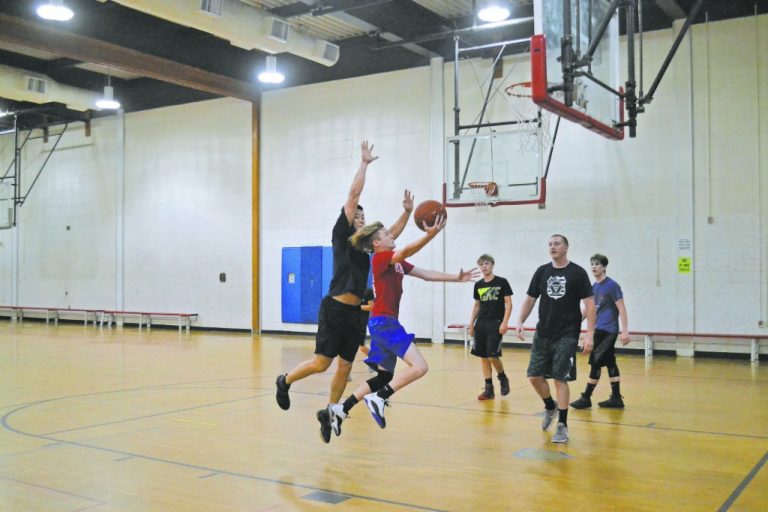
(327, 269)
(311, 283)
(291, 285)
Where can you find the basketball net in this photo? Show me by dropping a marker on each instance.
(485, 194)
(528, 114)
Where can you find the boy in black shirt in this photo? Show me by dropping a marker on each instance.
(561, 285)
(488, 323)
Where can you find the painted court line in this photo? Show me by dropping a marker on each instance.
(743, 485)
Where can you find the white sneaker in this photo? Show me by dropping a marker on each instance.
(338, 415)
(376, 405)
(561, 434)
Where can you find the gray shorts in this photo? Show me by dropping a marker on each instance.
(553, 358)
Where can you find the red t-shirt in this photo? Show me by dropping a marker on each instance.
(387, 283)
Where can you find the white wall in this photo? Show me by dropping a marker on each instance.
(179, 181)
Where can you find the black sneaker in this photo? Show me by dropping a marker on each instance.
(582, 403)
(504, 385)
(487, 394)
(614, 402)
(283, 400)
(325, 424)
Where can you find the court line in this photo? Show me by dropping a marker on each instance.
(744, 483)
(58, 491)
(7, 426)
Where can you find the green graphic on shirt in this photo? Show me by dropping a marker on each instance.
(489, 294)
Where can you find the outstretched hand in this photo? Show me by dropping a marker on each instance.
(367, 152)
(437, 226)
(407, 201)
(468, 275)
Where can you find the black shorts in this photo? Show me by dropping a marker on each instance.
(338, 330)
(553, 358)
(487, 338)
(603, 350)
(363, 326)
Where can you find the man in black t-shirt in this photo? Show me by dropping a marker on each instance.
(338, 331)
(561, 285)
(488, 323)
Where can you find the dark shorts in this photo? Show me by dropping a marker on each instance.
(363, 326)
(487, 338)
(603, 351)
(388, 342)
(338, 330)
(553, 358)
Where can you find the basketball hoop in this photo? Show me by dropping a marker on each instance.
(484, 194)
(519, 90)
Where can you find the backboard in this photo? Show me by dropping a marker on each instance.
(592, 104)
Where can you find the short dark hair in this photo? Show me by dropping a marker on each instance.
(360, 207)
(599, 258)
(563, 237)
(486, 257)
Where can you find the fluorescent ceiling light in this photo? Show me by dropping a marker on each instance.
(493, 12)
(55, 10)
(271, 75)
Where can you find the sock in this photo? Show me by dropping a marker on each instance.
(549, 404)
(349, 403)
(563, 416)
(589, 390)
(502, 376)
(616, 389)
(385, 392)
(488, 383)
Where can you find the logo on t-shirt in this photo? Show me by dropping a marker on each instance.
(489, 294)
(556, 287)
(399, 268)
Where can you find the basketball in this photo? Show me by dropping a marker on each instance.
(427, 212)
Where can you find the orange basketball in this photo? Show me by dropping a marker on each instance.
(427, 212)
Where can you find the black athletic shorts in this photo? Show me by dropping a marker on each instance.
(553, 358)
(603, 350)
(363, 326)
(338, 330)
(487, 338)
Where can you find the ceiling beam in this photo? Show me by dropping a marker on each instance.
(322, 8)
(74, 46)
(672, 9)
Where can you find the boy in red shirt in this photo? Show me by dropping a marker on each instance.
(388, 338)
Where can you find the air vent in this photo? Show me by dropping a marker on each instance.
(279, 30)
(212, 7)
(331, 52)
(36, 85)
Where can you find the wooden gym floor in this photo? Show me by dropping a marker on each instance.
(121, 420)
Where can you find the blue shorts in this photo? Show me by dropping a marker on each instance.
(388, 342)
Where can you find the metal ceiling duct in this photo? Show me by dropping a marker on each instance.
(242, 25)
(22, 85)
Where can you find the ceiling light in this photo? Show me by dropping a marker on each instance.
(493, 12)
(55, 10)
(108, 102)
(271, 75)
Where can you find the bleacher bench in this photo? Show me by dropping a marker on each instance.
(145, 318)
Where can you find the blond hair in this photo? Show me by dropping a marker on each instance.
(362, 240)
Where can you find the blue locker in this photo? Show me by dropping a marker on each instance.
(291, 285)
(327, 269)
(311, 283)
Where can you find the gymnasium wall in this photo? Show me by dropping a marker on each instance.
(693, 184)
(141, 216)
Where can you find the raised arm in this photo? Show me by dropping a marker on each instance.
(525, 311)
(414, 247)
(624, 338)
(358, 182)
(589, 313)
(434, 275)
(400, 223)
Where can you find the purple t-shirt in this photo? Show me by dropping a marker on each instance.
(606, 293)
